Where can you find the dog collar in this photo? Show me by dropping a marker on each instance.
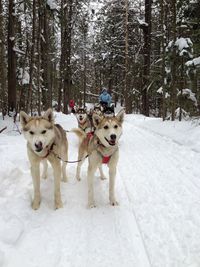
(82, 122)
(105, 159)
(49, 150)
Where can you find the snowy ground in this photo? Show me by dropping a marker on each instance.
(156, 224)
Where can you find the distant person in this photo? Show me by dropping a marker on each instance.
(105, 98)
(72, 105)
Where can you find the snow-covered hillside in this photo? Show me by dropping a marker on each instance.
(156, 224)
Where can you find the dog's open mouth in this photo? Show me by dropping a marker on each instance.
(111, 142)
(39, 149)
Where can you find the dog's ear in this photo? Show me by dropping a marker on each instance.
(96, 119)
(48, 115)
(120, 115)
(24, 118)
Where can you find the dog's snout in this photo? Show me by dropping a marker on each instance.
(113, 137)
(39, 146)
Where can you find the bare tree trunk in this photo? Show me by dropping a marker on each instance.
(162, 5)
(126, 89)
(173, 68)
(62, 57)
(68, 12)
(84, 61)
(39, 59)
(32, 61)
(45, 57)
(147, 57)
(11, 59)
(2, 62)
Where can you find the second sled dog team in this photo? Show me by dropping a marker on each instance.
(46, 141)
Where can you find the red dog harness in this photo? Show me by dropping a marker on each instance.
(105, 159)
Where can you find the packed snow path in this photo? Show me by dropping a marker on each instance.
(156, 224)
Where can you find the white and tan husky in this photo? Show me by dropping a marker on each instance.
(45, 141)
(84, 122)
(102, 147)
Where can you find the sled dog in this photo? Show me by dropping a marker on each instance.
(84, 121)
(102, 147)
(45, 141)
(98, 110)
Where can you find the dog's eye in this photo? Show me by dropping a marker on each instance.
(31, 132)
(105, 127)
(116, 126)
(43, 132)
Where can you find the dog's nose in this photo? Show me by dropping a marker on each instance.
(39, 146)
(113, 137)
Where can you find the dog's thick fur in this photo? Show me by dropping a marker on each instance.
(84, 120)
(45, 141)
(104, 142)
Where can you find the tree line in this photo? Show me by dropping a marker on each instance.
(147, 53)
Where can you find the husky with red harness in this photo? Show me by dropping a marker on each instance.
(101, 148)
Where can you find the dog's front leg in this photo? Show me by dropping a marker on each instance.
(64, 156)
(35, 172)
(91, 171)
(102, 175)
(112, 174)
(93, 164)
(56, 165)
(81, 156)
(45, 167)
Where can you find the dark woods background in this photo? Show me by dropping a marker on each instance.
(145, 52)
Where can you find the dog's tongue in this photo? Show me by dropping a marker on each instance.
(112, 142)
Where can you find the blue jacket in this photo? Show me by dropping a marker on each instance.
(105, 97)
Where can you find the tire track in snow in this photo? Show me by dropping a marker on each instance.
(154, 166)
(135, 218)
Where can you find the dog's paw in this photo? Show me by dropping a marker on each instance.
(65, 179)
(44, 176)
(103, 177)
(78, 178)
(114, 203)
(91, 205)
(58, 204)
(35, 204)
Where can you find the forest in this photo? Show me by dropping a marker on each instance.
(147, 53)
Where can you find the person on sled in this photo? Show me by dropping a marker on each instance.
(105, 98)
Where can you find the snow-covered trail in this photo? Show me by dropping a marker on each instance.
(162, 182)
(156, 224)
(72, 236)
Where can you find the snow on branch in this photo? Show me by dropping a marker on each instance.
(183, 43)
(189, 94)
(142, 23)
(52, 5)
(160, 91)
(24, 76)
(194, 62)
(183, 46)
(18, 51)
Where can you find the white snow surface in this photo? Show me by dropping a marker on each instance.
(155, 225)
